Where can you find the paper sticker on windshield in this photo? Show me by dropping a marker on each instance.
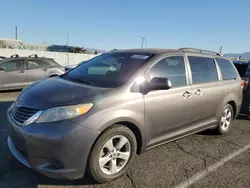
(139, 56)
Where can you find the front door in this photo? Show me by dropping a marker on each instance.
(168, 112)
(13, 76)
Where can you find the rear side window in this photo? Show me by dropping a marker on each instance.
(35, 64)
(203, 69)
(172, 68)
(227, 69)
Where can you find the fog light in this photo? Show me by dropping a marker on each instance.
(52, 164)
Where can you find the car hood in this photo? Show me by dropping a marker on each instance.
(55, 92)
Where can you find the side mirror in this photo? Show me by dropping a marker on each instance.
(159, 83)
(2, 68)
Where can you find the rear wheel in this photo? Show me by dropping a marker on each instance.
(226, 120)
(112, 154)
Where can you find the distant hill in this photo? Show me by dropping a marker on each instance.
(93, 50)
(243, 55)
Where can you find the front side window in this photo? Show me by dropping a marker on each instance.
(203, 69)
(172, 68)
(108, 70)
(227, 69)
(13, 65)
(34, 64)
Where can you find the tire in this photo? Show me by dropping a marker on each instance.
(225, 121)
(103, 172)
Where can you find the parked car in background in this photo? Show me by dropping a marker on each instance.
(244, 71)
(18, 72)
(99, 115)
(2, 57)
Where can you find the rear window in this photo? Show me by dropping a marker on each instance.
(227, 69)
(52, 63)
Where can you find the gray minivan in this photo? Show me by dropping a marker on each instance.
(99, 115)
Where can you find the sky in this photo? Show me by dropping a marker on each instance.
(121, 24)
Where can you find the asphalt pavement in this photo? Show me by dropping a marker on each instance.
(199, 160)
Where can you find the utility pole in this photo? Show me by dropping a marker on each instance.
(67, 39)
(221, 49)
(143, 42)
(67, 43)
(16, 32)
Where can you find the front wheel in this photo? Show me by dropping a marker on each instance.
(226, 120)
(112, 154)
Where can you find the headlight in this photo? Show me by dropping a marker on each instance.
(64, 112)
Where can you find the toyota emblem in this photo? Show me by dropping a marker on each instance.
(19, 101)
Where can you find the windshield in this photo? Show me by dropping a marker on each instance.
(109, 70)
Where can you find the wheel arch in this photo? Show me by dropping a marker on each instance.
(233, 104)
(234, 101)
(53, 75)
(129, 124)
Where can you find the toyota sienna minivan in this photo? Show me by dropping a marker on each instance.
(96, 117)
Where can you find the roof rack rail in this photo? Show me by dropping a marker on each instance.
(33, 55)
(200, 50)
(14, 56)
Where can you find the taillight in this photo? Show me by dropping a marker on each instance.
(244, 84)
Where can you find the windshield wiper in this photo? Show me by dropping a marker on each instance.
(84, 81)
(78, 80)
(81, 80)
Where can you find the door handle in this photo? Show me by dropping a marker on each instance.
(187, 94)
(21, 71)
(45, 69)
(198, 92)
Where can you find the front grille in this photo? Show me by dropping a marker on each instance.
(21, 114)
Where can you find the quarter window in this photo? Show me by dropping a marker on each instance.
(172, 68)
(203, 69)
(34, 64)
(227, 69)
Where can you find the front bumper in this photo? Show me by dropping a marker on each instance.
(58, 149)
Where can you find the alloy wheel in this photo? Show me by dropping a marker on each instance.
(114, 154)
(226, 119)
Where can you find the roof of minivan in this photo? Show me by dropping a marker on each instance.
(148, 50)
(162, 51)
